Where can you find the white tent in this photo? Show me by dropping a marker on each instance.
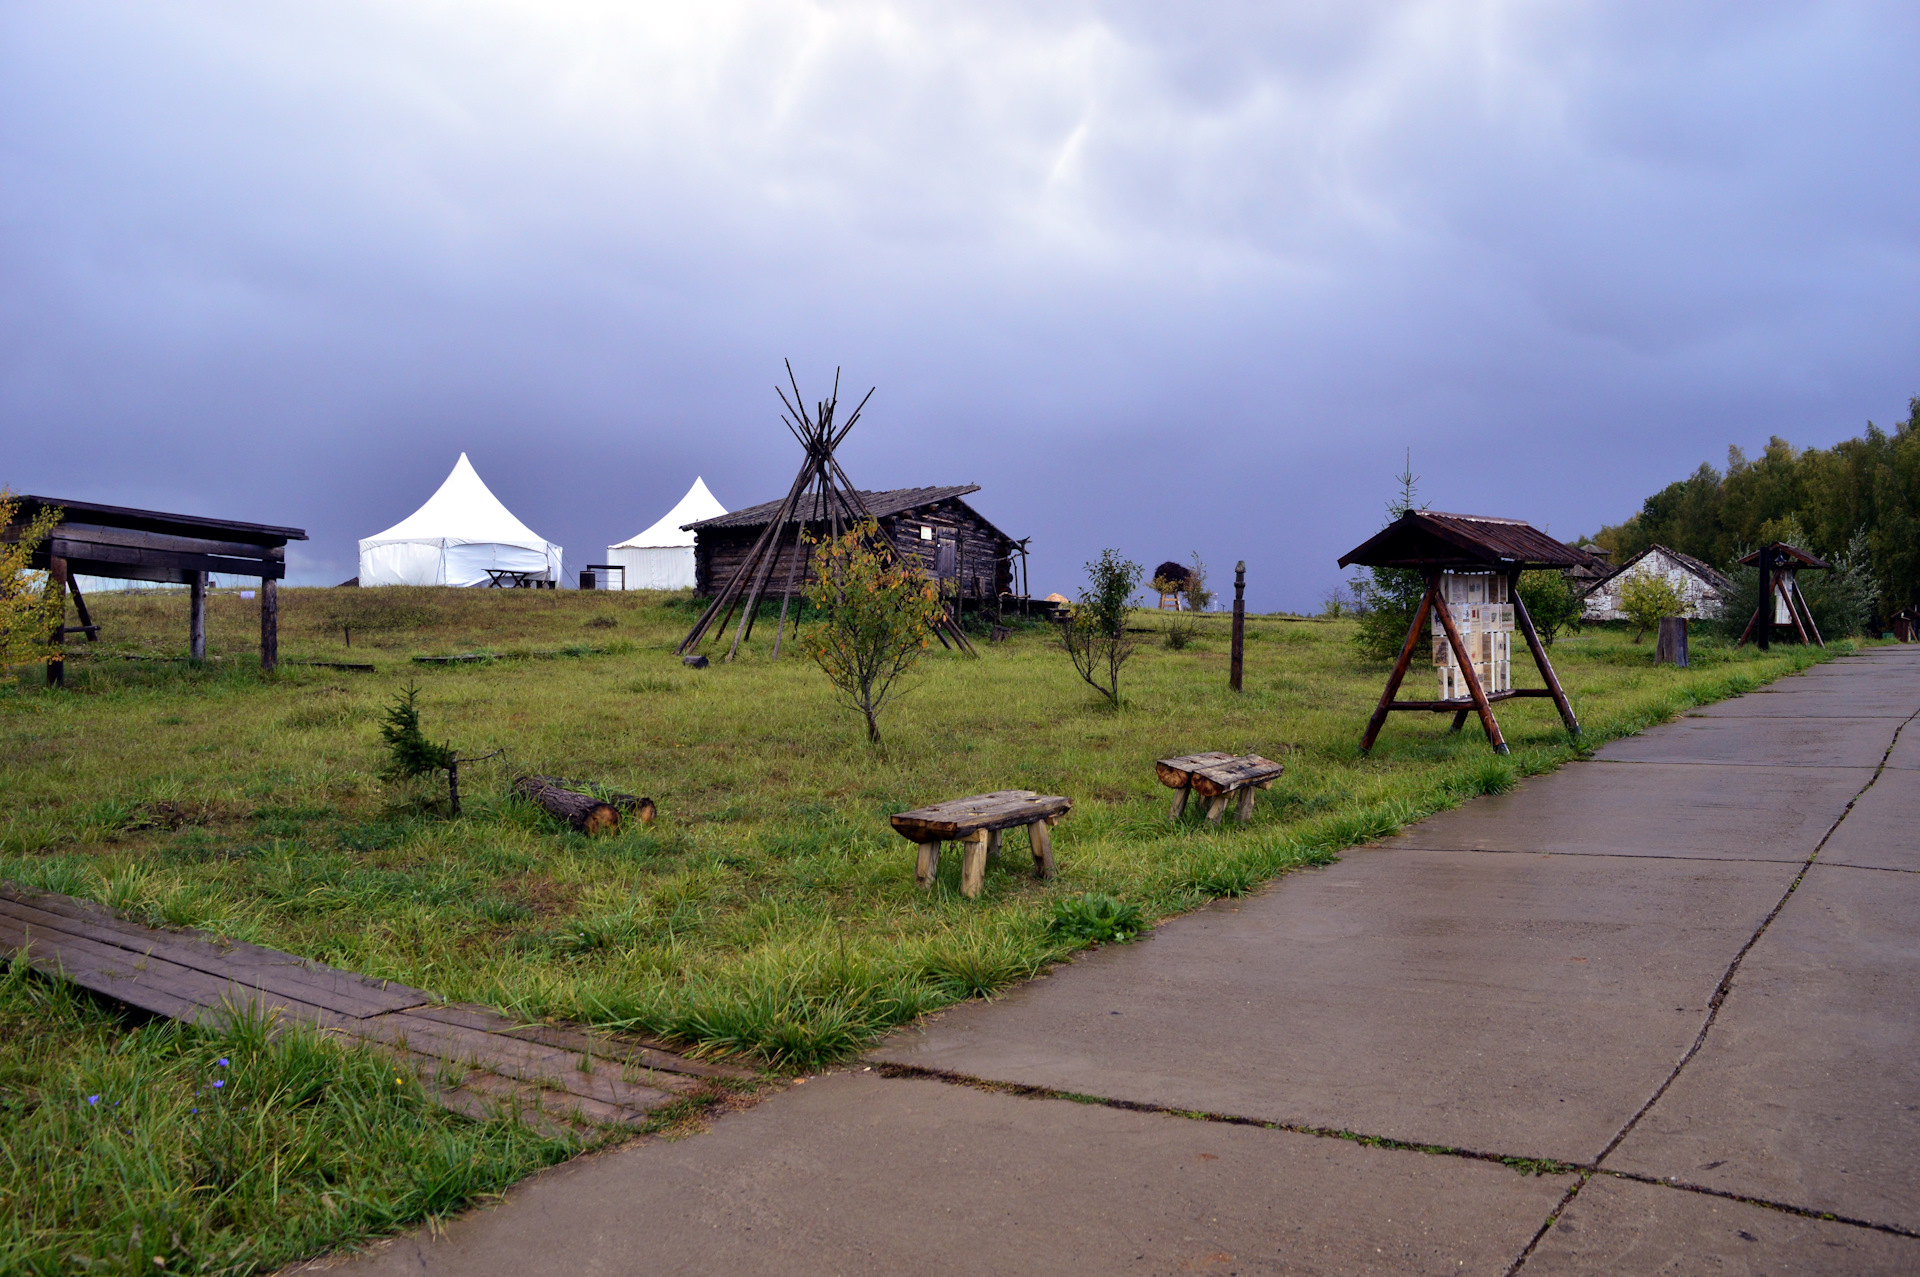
(661, 558)
(454, 538)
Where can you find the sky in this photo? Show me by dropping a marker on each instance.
(1172, 279)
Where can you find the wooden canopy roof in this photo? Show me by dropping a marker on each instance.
(881, 504)
(1801, 559)
(152, 545)
(1430, 541)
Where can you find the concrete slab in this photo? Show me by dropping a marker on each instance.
(1906, 750)
(1793, 742)
(1807, 1090)
(1652, 809)
(1883, 829)
(1620, 1226)
(851, 1174)
(1525, 1004)
(1850, 698)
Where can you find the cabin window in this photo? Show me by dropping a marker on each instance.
(926, 533)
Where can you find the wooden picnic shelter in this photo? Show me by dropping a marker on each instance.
(150, 545)
(1471, 563)
(1781, 602)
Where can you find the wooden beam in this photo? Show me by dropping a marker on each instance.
(1465, 658)
(91, 558)
(79, 602)
(1380, 711)
(130, 538)
(1539, 650)
(1807, 610)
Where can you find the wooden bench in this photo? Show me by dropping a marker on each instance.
(977, 824)
(1217, 776)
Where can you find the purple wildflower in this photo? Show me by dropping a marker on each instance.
(223, 1061)
(222, 1082)
(93, 1099)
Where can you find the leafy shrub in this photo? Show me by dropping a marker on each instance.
(1552, 602)
(1096, 917)
(1096, 637)
(1646, 597)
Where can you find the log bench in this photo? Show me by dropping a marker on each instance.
(977, 823)
(1219, 777)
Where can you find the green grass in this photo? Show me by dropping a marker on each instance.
(770, 914)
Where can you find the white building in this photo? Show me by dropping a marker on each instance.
(1702, 588)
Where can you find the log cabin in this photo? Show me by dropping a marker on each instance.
(930, 527)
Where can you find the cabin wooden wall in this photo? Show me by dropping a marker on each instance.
(982, 555)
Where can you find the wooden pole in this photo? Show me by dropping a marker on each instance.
(269, 624)
(1379, 718)
(1539, 650)
(1478, 693)
(197, 617)
(80, 603)
(57, 582)
(1807, 611)
(1239, 624)
(1763, 617)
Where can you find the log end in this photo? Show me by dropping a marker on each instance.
(647, 811)
(604, 818)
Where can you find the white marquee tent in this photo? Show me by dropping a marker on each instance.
(454, 538)
(661, 558)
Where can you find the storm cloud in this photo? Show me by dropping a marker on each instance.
(1166, 278)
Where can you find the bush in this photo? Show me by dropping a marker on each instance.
(1096, 637)
(1552, 602)
(1645, 598)
(1096, 917)
(876, 618)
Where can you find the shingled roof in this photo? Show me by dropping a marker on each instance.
(1429, 539)
(1805, 560)
(880, 504)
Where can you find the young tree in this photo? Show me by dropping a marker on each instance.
(29, 607)
(1551, 601)
(876, 616)
(1096, 636)
(1199, 597)
(1385, 599)
(1646, 597)
(410, 753)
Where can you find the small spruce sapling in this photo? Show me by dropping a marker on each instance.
(410, 753)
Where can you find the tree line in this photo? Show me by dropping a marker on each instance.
(1860, 497)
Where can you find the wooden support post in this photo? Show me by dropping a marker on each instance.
(269, 623)
(1244, 812)
(1477, 692)
(1459, 721)
(1379, 718)
(1787, 590)
(973, 864)
(927, 870)
(1807, 611)
(1763, 616)
(453, 786)
(1180, 797)
(993, 845)
(1671, 647)
(1040, 839)
(1216, 809)
(57, 582)
(1524, 620)
(1239, 624)
(197, 617)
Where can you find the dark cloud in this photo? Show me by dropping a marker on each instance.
(1157, 277)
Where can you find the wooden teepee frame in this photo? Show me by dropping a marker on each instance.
(821, 494)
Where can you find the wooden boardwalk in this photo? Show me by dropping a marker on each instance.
(471, 1059)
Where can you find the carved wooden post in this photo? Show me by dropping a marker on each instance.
(197, 617)
(1763, 619)
(1239, 623)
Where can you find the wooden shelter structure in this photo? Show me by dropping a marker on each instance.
(149, 545)
(1471, 562)
(745, 552)
(1781, 602)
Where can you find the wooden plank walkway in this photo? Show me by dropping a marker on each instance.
(472, 1059)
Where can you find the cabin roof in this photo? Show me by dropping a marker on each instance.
(157, 521)
(881, 505)
(1706, 572)
(1430, 539)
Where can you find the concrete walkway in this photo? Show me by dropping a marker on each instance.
(1654, 1013)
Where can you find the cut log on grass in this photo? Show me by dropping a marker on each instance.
(587, 814)
(640, 809)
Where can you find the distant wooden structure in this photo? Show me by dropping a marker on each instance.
(1701, 588)
(1781, 602)
(149, 545)
(738, 556)
(1473, 563)
(1176, 575)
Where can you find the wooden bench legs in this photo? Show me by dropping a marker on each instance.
(975, 850)
(1217, 807)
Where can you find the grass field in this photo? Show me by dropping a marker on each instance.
(770, 914)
